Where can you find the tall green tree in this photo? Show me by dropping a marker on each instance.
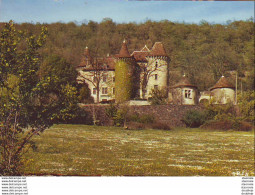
(28, 104)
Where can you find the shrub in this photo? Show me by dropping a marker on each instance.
(219, 112)
(144, 118)
(162, 126)
(158, 96)
(217, 125)
(194, 118)
(111, 111)
(134, 117)
(242, 126)
(246, 103)
(227, 125)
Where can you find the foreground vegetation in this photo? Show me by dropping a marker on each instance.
(112, 151)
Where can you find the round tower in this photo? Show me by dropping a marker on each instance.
(184, 92)
(124, 79)
(223, 91)
(158, 64)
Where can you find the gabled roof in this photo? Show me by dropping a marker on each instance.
(124, 53)
(222, 83)
(140, 56)
(158, 50)
(145, 48)
(184, 82)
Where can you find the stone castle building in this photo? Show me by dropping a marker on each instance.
(149, 69)
(126, 76)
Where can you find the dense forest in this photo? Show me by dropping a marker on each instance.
(202, 51)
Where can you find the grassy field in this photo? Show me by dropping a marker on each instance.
(112, 151)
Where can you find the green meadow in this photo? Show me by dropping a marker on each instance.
(112, 151)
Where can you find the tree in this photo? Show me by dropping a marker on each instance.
(246, 104)
(158, 96)
(148, 71)
(28, 103)
(96, 74)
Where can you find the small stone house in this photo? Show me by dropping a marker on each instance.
(184, 92)
(223, 91)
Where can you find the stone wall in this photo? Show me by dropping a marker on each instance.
(169, 114)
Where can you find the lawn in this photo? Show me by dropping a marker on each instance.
(112, 151)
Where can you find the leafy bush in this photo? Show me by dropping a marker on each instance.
(217, 125)
(119, 118)
(194, 118)
(227, 125)
(246, 103)
(158, 96)
(111, 111)
(219, 112)
(144, 118)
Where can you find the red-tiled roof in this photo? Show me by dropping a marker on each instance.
(110, 62)
(140, 56)
(102, 64)
(222, 83)
(86, 58)
(184, 82)
(158, 50)
(124, 51)
(145, 48)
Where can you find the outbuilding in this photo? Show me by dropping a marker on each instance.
(184, 92)
(223, 91)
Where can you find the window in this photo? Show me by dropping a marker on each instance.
(104, 90)
(113, 79)
(156, 64)
(104, 78)
(156, 87)
(113, 90)
(156, 77)
(188, 94)
(94, 91)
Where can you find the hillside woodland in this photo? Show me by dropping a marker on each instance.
(202, 51)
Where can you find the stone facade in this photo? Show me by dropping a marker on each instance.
(223, 92)
(149, 69)
(184, 93)
(150, 66)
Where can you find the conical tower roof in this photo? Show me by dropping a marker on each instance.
(158, 50)
(223, 83)
(86, 58)
(124, 53)
(86, 52)
(184, 82)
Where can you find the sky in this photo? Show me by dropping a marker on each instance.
(124, 11)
